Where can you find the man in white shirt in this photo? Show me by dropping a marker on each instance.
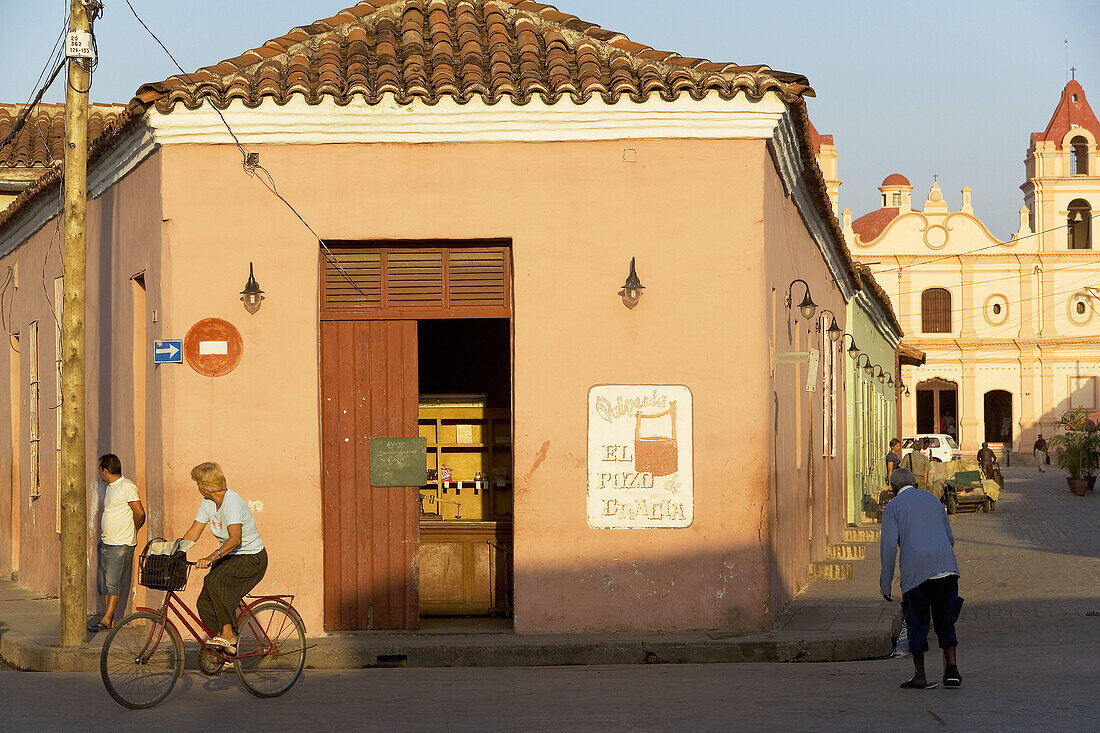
(123, 515)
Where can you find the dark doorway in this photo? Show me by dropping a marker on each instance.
(465, 554)
(938, 407)
(998, 416)
(926, 416)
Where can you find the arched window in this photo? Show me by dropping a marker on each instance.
(935, 309)
(1079, 223)
(1079, 156)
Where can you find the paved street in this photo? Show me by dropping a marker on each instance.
(1028, 655)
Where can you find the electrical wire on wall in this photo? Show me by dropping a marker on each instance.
(250, 161)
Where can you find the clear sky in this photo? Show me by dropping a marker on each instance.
(947, 87)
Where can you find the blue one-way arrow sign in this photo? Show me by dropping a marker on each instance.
(169, 351)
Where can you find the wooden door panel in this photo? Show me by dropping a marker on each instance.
(368, 389)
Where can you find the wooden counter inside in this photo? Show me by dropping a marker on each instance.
(465, 568)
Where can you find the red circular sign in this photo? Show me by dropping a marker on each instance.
(213, 347)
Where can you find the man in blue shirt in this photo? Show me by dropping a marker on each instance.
(916, 522)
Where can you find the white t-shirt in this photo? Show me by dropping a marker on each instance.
(233, 510)
(117, 524)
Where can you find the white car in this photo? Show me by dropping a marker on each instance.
(944, 447)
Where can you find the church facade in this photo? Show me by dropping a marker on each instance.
(1011, 328)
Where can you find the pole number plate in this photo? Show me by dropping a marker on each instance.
(79, 45)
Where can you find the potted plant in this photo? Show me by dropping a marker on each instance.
(1078, 446)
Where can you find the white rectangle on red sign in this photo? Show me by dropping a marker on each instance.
(210, 348)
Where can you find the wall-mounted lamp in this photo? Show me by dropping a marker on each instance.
(867, 368)
(902, 387)
(632, 288)
(853, 350)
(890, 380)
(834, 332)
(807, 307)
(252, 296)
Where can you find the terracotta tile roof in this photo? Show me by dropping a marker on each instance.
(868, 282)
(430, 49)
(40, 141)
(817, 139)
(896, 179)
(1069, 114)
(871, 225)
(815, 181)
(114, 120)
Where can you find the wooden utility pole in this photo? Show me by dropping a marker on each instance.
(74, 502)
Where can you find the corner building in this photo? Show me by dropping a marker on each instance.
(480, 178)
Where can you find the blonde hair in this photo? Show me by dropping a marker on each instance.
(209, 476)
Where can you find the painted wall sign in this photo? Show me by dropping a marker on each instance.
(640, 470)
(213, 347)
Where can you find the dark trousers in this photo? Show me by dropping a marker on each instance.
(228, 581)
(936, 601)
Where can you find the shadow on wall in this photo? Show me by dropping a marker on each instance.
(720, 591)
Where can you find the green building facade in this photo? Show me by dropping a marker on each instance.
(871, 384)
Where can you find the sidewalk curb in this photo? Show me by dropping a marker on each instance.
(421, 650)
(25, 653)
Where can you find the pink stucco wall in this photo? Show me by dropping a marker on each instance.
(123, 235)
(713, 235)
(798, 427)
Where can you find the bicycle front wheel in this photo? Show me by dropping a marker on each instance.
(271, 645)
(142, 659)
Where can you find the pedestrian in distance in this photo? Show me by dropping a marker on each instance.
(893, 458)
(123, 515)
(1039, 450)
(986, 458)
(916, 523)
(919, 463)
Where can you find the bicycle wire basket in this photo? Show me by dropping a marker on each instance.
(164, 572)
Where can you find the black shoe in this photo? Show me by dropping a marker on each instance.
(951, 677)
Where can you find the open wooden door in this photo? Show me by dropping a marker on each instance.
(368, 390)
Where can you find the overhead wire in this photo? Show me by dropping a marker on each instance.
(952, 256)
(250, 161)
(1087, 263)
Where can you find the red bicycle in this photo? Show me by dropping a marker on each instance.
(143, 655)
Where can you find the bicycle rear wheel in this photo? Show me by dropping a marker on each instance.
(277, 638)
(141, 660)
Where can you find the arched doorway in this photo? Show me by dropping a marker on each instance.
(938, 407)
(998, 416)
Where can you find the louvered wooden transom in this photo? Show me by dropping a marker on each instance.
(467, 281)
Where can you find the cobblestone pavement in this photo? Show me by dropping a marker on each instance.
(1028, 654)
(1036, 556)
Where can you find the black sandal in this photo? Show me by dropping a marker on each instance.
(951, 677)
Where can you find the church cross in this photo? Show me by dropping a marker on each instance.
(1073, 72)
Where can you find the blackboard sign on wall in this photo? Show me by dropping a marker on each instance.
(398, 461)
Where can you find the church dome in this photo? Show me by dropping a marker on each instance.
(896, 179)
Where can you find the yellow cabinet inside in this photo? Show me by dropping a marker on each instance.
(469, 459)
(465, 552)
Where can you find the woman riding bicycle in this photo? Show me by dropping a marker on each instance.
(237, 565)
